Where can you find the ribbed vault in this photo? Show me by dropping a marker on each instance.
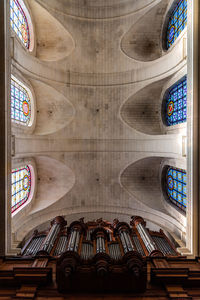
(90, 100)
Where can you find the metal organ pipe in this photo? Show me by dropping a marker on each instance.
(100, 244)
(146, 237)
(126, 241)
(61, 246)
(77, 241)
(72, 240)
(76, 230)
(51, 237)
(56, 226)
(123, 242)
(100, 235)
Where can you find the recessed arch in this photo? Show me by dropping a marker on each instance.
(54, 181)
(54, 110)
(142, 41)
(142, 180)
(142, 111)
(54, 41)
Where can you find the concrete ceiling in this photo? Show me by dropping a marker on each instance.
(90, 68)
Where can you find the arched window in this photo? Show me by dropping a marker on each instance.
(176, 103)
(21, 186)
(20, 103)
(176, 187)
(177, 22)
(19, 23)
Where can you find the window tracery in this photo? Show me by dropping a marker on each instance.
(177, 22)
(21, 187)
(176, 103)
(20, 103)
(176, 187)
(19, 23)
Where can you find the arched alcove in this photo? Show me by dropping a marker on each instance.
(54, 111)
(142, 180)
(142, 111)
(54, 180)
(143, 40)
(54, 42)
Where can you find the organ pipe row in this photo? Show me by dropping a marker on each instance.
(91, 238)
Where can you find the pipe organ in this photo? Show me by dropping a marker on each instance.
(99, 258)
(99, 255)
(88, 239)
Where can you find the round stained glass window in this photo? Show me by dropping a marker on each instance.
(170, 108)
(25, 182)
(25, 108)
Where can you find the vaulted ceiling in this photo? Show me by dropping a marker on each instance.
(98, 72)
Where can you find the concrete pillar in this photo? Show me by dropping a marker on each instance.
(193, 112)
(5, 135)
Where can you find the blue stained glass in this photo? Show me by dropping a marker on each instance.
(176, 187)
(176, 103)
(177, 22)
(21, 186)
(18, 22)
(20, 104)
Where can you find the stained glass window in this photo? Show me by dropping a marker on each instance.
(20, 103)
(19, 22)
(177, 22)
(176, 103)
(21, 186)
(176, 187)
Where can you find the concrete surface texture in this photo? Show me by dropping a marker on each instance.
(99, 73)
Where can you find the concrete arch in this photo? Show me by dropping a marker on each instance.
(51, 187)
(54, 42)
(54, 111)
(142, 42)
(52, 183)
(142, 180)
(143, 111)
(98, 9)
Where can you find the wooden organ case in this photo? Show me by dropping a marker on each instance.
(99, 256)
